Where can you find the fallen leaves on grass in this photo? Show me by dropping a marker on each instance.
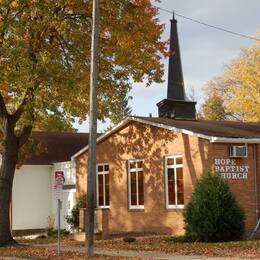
(45, 253)
(238, 249)
(243, 249)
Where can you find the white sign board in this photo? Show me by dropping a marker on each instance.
(228, 169)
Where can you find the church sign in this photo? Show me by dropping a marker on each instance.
(228, 169)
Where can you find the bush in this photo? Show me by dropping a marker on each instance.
(41, 237)
(129, 239)
(213, 214)
(51, 232)
(73, 218)
(176, 239)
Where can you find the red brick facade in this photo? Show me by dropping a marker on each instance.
(152, 144)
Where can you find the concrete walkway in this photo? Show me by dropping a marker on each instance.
(141, 254)
(158, 255)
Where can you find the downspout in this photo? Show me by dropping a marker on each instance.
(256, 197)
(255, 175)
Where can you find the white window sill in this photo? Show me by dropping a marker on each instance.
(175, 206)
(103, 207)
(136, 207)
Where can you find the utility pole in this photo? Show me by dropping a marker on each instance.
(91, 182)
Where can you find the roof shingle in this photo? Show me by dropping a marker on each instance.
(57, 147)
(229, 129)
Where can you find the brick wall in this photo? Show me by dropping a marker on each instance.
(243, 189)
(152, 144)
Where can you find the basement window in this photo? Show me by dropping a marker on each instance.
(103, 185)
(174, 182)
(135, 184)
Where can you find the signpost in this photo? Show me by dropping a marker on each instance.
(58, 187)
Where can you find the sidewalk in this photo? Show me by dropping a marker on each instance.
(158, 255)
(142, 254)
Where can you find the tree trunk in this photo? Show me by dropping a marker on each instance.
(7, 170)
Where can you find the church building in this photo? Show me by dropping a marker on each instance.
(147, 167)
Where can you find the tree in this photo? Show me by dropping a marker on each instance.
(44, 68)
(238, 89)
(213, 214)
(55, 122)
(213, 108)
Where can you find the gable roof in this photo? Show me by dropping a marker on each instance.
(213, 131)
(227, 129)
(57, 147)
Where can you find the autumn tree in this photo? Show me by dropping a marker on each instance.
(44, 68)
(236, 92)
(55, 122)
(213, 108)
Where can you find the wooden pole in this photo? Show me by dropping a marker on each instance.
(91, 182)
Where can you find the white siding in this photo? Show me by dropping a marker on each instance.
(32, 197)
(67, 197)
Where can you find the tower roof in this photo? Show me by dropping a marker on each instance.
(175, 88)
(176, 106)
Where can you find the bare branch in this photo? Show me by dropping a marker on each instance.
(24, 136)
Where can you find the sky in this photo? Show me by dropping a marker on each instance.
(204, 51)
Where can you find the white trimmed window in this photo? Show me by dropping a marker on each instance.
(103, 185)
(135, 184)
(174, 182)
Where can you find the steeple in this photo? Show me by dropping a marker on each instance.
(175, 76)
(176, 106)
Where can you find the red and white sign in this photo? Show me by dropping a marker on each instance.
(59, 181)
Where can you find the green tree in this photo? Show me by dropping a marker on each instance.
(213, 213)
(238, 89)
(213, 108)
(44, 68)
(54, 122)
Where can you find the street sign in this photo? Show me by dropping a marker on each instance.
(58, 184)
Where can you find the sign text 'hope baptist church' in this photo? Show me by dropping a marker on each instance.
(228, 169)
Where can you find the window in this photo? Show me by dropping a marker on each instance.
(174, 182)
(103, 185)
(136, 184)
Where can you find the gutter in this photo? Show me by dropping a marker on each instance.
(235, 140)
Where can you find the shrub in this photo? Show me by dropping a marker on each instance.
(176, 239)
(51, 221)
(73, 218)
(41, 237)
(129, 239)
(213, 214)
(51, 232)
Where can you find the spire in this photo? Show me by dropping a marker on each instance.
(175, 106)
(175, 76)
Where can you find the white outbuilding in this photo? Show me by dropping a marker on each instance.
(33, 197)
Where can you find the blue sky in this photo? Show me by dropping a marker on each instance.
(204, 51)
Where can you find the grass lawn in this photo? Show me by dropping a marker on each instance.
(35, 250)
(243, 249)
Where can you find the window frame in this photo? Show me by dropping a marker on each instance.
(130, 206)
(104, 173)
(174, 167)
